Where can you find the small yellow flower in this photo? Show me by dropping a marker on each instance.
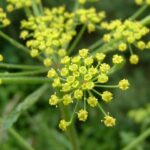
(47, 62)
(51, 73)
(67, 99)
(102, 78)
(83, 52)
(107, 96)
(1, 58)
(83, 70)
(100, 56)
(62, 52)
(141, 45)
(63, 125)
(10, 8)
(65, 60)
(53, 100)
(92, 101)
(117, 59)
(78, 94)
(109, 121)
(24, 34)
(123, 84)
(82, 115)
(106, 37)
(64, 72)
(34, 53)
(104, 68)
(134, 59)
(56, 82)
(122, 47)
(91, 27)
(88, 61)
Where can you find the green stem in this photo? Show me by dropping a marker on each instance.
(137, 141)
(24, 73)
(107, 86)
(14, 42)
(25, 80)
(35, 8)
(95, 45)
(20, 66)
(71, 131)
(139, 12)
(101, 109)
(20, 139)
(77, 39)
(146, 20)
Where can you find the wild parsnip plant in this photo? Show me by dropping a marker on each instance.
(80, 78)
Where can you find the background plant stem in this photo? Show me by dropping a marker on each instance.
(20, 139)
(71, 131)
(139, 139)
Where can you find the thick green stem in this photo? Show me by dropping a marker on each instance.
(139, 12)
(71, 131)
(139, 139)
(20, 139)
(24, 73)
(24, 80)
(77, 39)
(20, 66)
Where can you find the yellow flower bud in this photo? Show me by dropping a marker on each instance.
(122, 47)
(83, 52)
(107, 96)
(51, 73)
(134, 59)
(53, 100)
(117, 59)
(102, 78)
(34, 53)
(78, 94)
(123, 84)
(100, 56)
(104, 68)
(82, 115)
(63, 125)
(109, 121)
(64, 72)
(67, 99)
(47, 62)
(92, 101)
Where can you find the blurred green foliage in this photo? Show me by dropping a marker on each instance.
(39, 125)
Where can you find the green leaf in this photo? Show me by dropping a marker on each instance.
(29, 101)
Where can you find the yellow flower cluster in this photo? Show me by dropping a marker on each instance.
(49, 35)
(4, 21)
(141, 2)
(126, 33)
(90, 17)
(17, 4)
(77, 81)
